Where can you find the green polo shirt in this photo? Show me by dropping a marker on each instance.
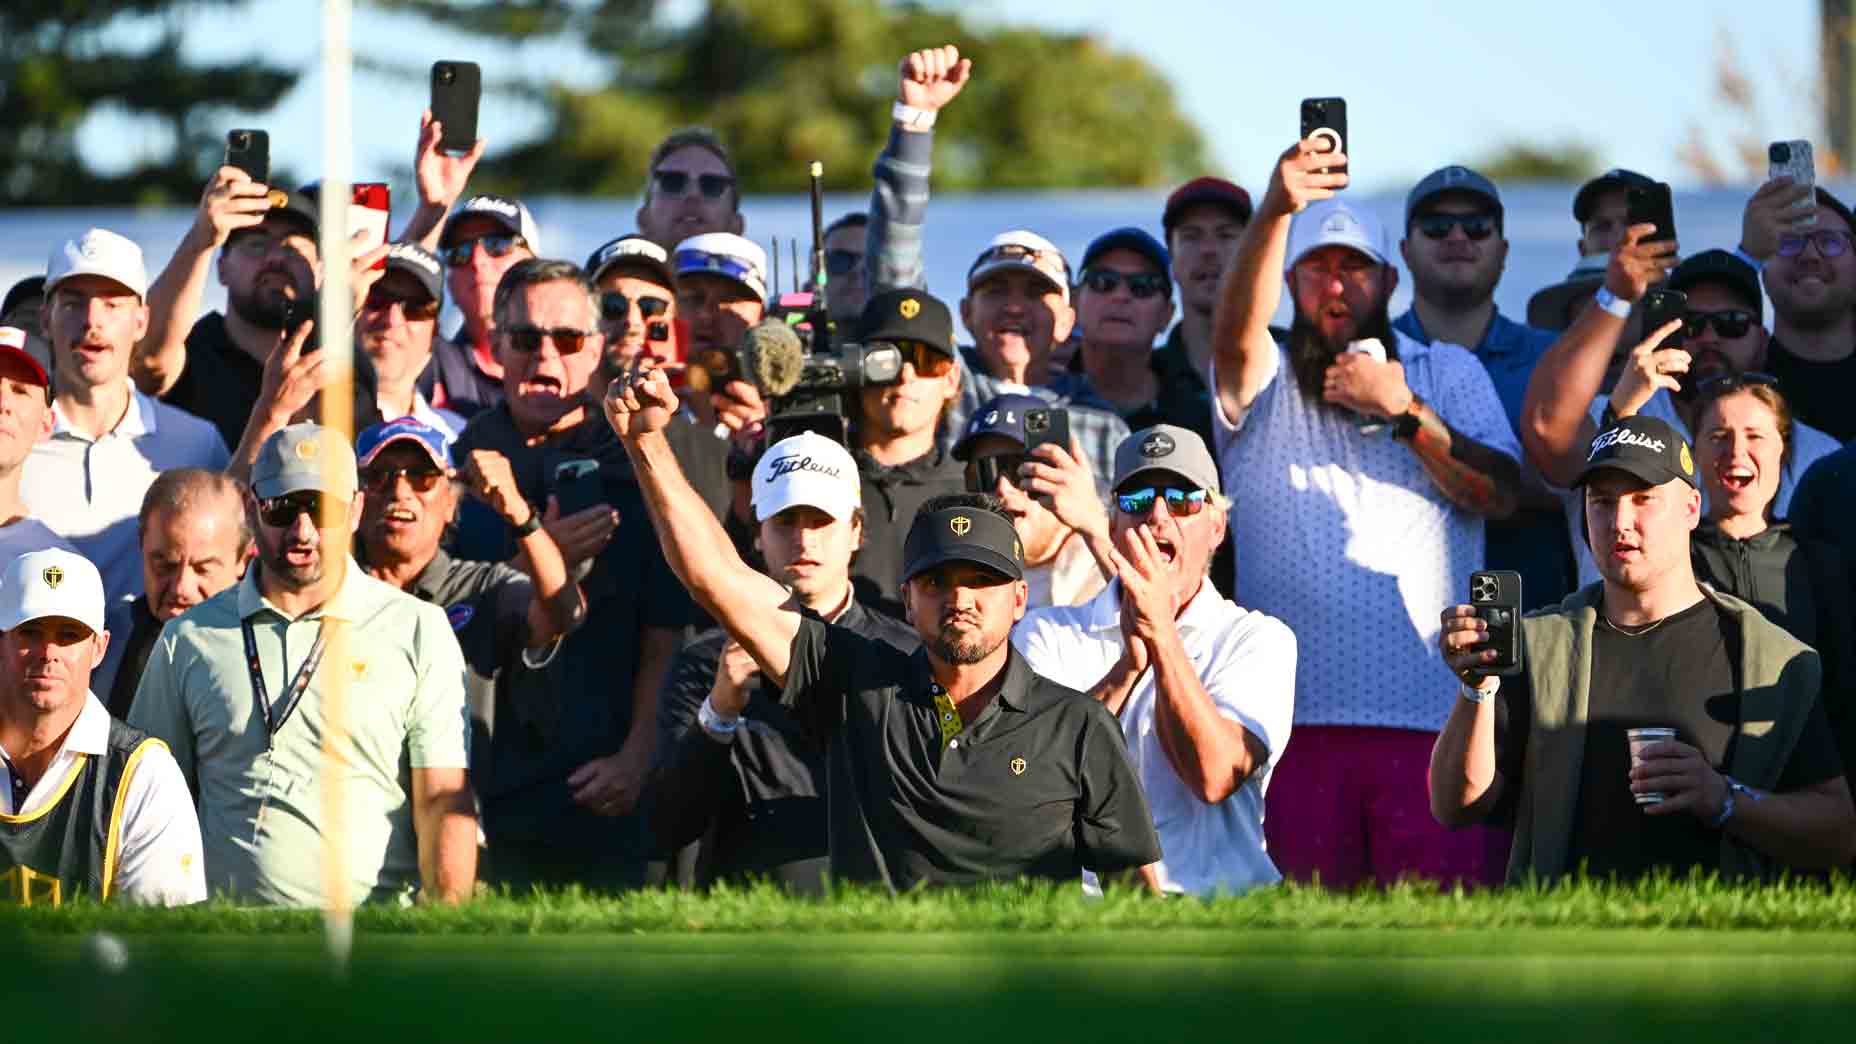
(261, 797)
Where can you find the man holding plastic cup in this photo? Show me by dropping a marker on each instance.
(1750, 782)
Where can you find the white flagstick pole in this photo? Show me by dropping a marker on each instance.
(335, 328)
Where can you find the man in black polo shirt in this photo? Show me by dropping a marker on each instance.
(755, 796)
(498, 613)
(953, 765)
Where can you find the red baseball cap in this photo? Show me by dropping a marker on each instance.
(1205, 190)
(13, 345)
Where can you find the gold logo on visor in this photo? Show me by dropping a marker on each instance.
(1018, 766)
(53, 577)
(910, 308)
(960, 524)
(1688, 462)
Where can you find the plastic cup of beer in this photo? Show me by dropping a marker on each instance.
(1640, 738)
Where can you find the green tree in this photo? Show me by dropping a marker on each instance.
(1523, 161)
(788, 81)
(61, 61)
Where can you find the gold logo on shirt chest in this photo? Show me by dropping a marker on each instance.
(1018, 766)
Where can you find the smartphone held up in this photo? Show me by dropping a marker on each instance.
(1325, 119)
(1793, 159)
(456, 89)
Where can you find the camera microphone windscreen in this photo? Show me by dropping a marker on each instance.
(772, 357)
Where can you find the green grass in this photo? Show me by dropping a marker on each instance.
(1659, 960)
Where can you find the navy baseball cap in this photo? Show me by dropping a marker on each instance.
(962, 534)
(1451, 179)
(1003, 415)
(421, 264)
(1720, 266)
(372, 442)
(1129, 238)
(1642, 447)
(1615, 178)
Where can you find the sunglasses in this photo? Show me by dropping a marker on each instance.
(928, 360)
(382, 480)
(1179, 502)
(527, 339)
(1142, 285)
(1714, 387)
(1476, 227)
(415, 309)
(677, 182)
(1828, 243)
(842, 262)
(615, 307)
(281, 512)
(457, 255)
(1730, 323)
(984, 473)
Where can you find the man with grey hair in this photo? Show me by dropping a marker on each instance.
(558, 809)
(1204, 690)
(689, 189)
(195, 542)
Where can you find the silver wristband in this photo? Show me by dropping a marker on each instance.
(1476, 695)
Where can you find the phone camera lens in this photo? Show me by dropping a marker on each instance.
(1781, 153)
(445, 75)
(241, 140)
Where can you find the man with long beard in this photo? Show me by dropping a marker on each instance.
(955, 765)
(1361, 464)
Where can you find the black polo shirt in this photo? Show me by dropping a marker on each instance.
(221, 382)
(757, 803)
(468, 390)
(1038, 786)
(487, 605)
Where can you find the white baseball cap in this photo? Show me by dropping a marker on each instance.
(807, 469)
(1022, 248)
(512, 214)
(724, 254)
(53, 582)
(98, 252)
(1334, 222)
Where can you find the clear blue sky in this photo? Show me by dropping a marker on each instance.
(1428, 82)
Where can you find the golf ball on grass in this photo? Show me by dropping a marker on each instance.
(106, 952)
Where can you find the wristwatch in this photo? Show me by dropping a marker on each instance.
(533, 523)
(1406, 424)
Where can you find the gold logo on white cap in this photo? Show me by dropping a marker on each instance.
(1018, 766)
(306, 450)
(960, 524)
(53, 576)
(910, 308)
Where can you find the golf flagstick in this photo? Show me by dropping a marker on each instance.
(335, 327)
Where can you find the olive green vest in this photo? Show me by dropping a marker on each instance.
(70, 846)
(1778, 680)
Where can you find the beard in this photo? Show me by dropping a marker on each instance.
(1310, 353)
(265, 309)
(287, 574)
(952, 646)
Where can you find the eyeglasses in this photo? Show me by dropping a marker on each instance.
(567, 341)
(1829, 243)
(415, 309)
(1142, 285)
(1179, 502)
(421, 479)
(928, 360)
(677, 182)
(1714, 387)
(984, 473)
(281, 512)
(615, 307)
(842, 262)
(1476, 227)
(457, 255)
(1729, 323)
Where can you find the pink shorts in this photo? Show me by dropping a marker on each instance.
(1351, 804)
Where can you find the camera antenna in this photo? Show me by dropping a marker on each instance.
(817, 171)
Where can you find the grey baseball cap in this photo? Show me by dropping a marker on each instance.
(1451, 179)
(1168, 448)
(304, 456)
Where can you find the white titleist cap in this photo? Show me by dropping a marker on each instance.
(53, 582)
(98, 252)
(807, 469)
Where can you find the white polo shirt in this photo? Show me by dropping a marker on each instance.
(1345, 538)
(159, 857)
(91, 492)
(1808, 444)
(1246, 661)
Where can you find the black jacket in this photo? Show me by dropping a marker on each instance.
(891, 496)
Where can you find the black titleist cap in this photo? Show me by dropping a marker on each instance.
(962, 534)
(1643, 447)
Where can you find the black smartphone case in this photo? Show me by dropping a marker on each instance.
(1326, 112)
(577, 487)
(1496, 596)
(250, 151)
(1051, 426)
(1660, 306)
(1652, 206)
(456, 88)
